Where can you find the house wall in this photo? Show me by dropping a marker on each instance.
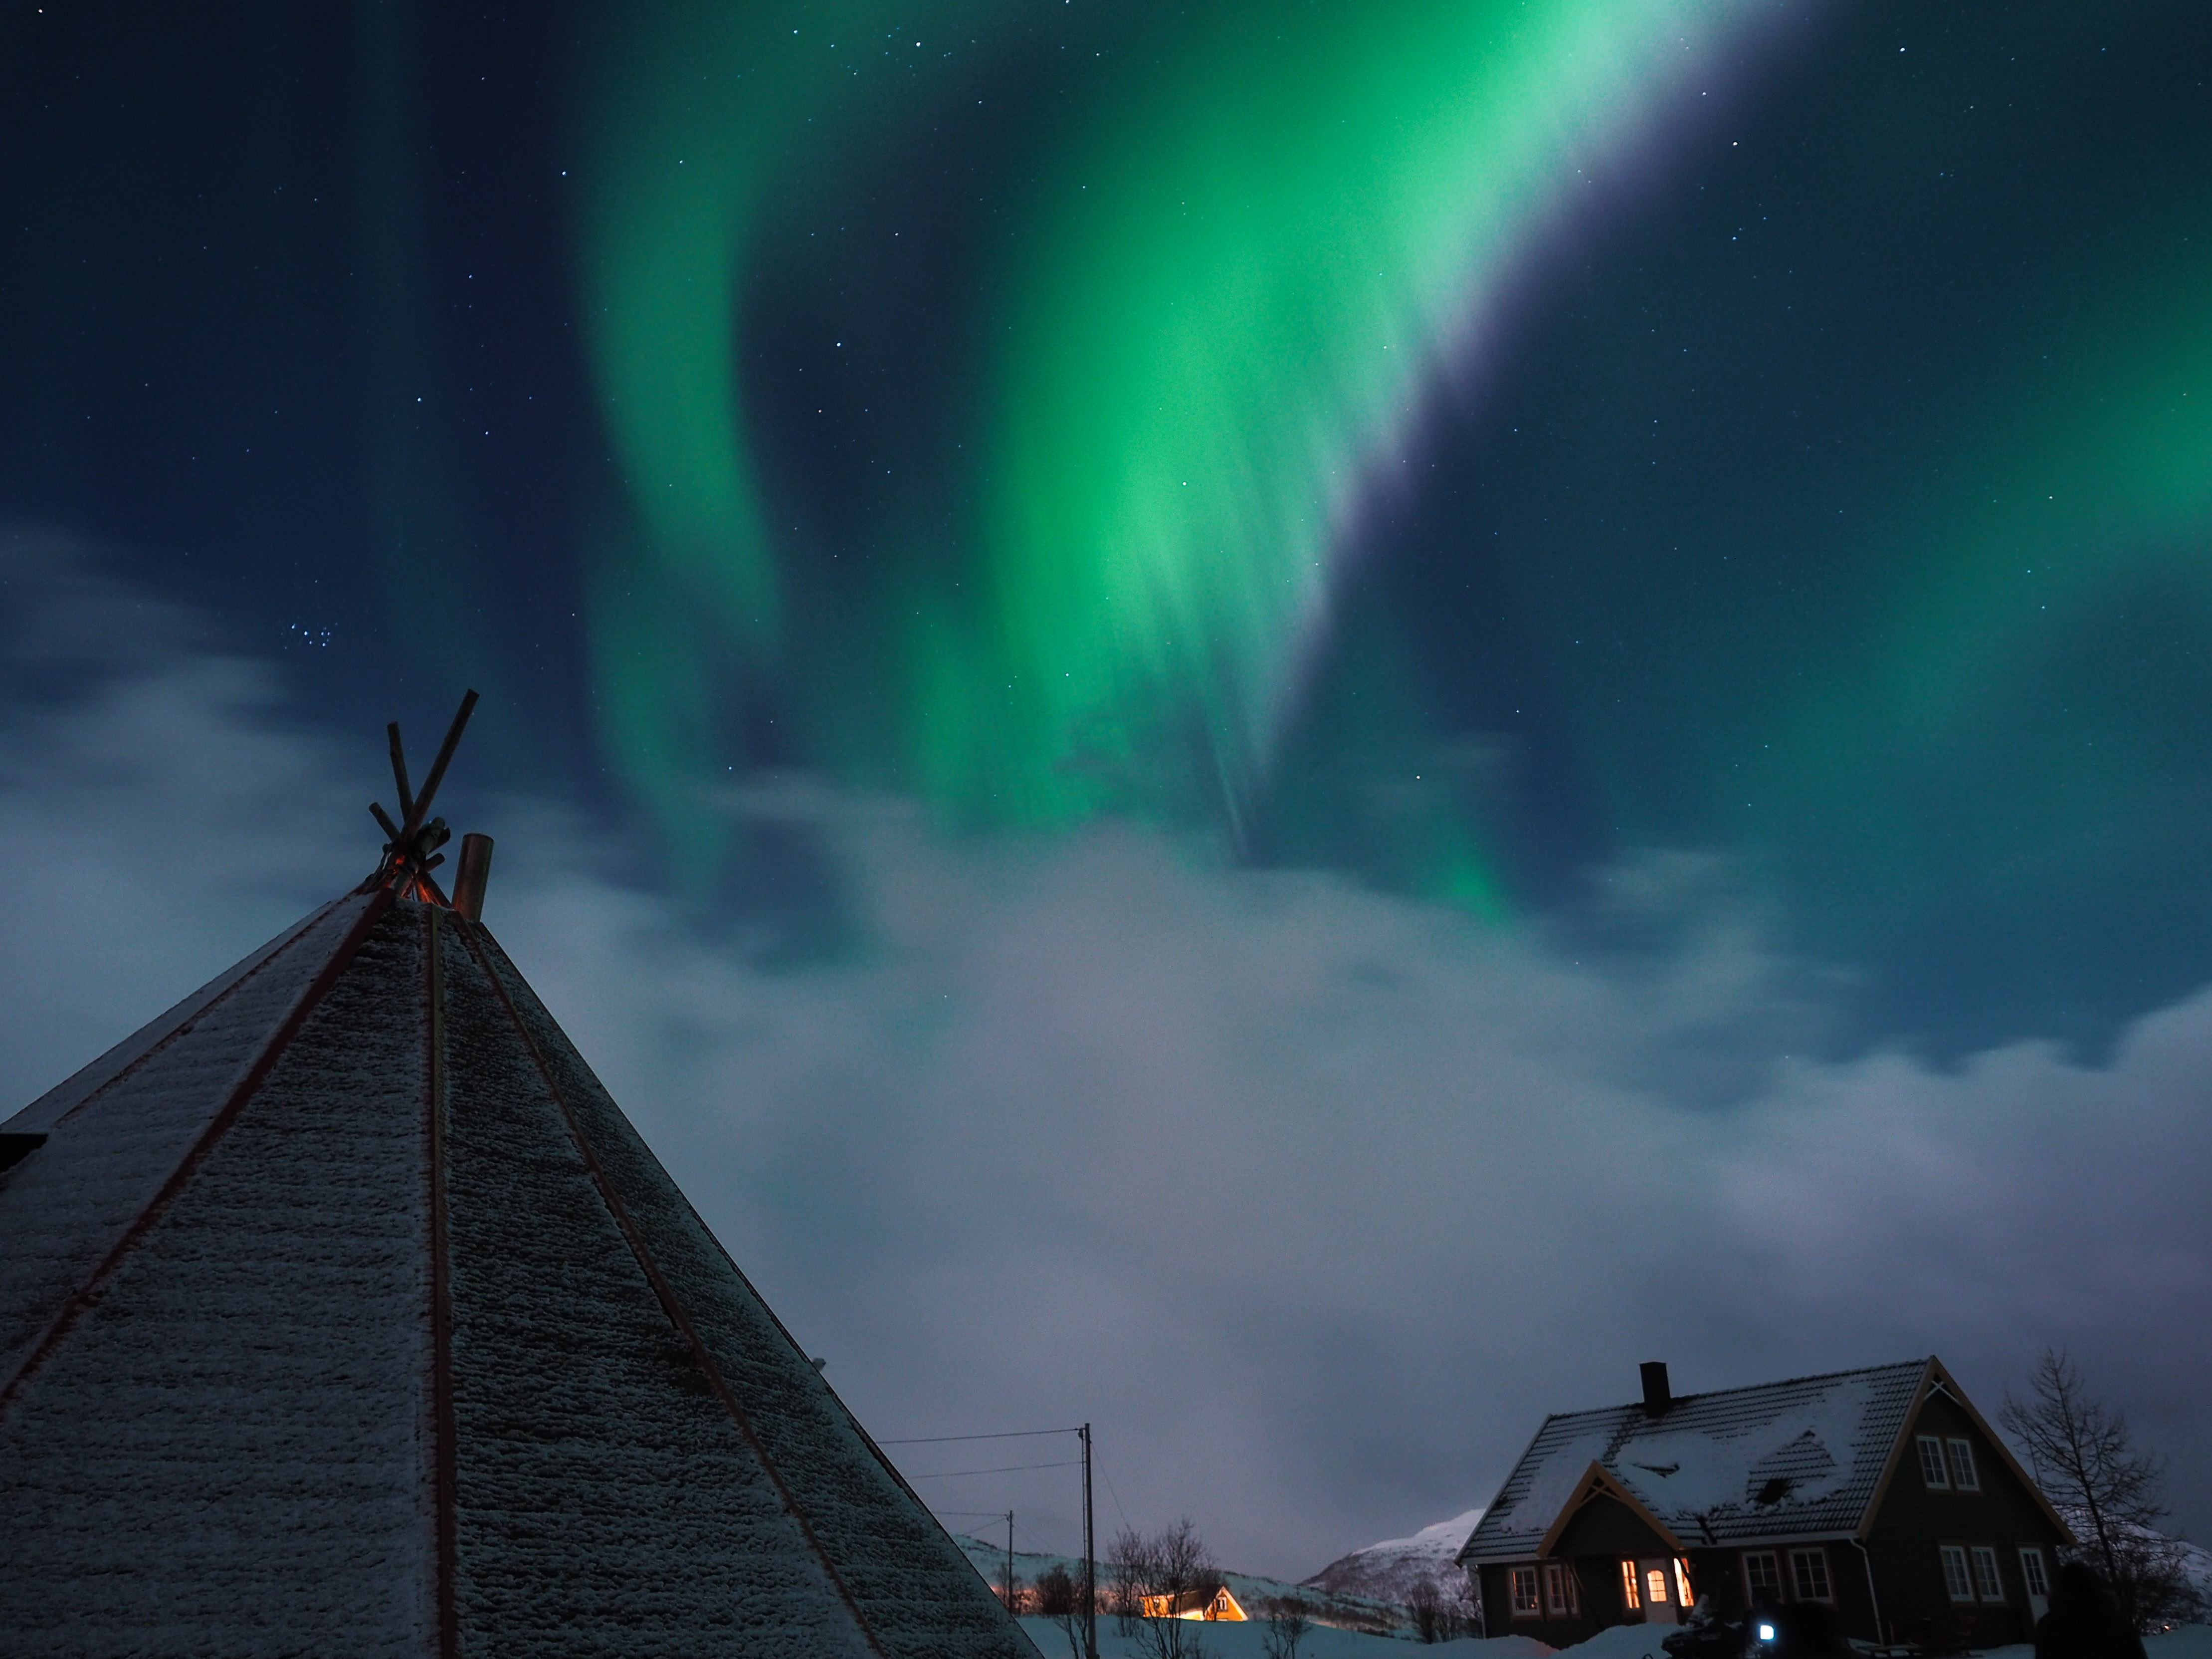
(1719, 1574)
(1914, 1522)
(1601, 1604)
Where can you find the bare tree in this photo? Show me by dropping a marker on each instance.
(1153, 1580)
(1464, 1597)
(2087, 1464)
(1061, 1600)
(1289, 1619)
(1426, 1603)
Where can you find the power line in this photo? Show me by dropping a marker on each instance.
(945, 1439)
(1008, 1468)
(1117, 1496)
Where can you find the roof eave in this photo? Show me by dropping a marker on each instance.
(1465, 1549)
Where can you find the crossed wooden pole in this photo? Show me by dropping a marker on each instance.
(411, 852)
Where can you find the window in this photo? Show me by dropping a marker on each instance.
(1985, 1574)
(1629, 1598)
(1562, 1595)
(2032, 1573)
(1931, 1463)
(1655, 1587)
(1962, 1466)
(1808, 1571)
(1762, 1577)
(1682, 1596)
(1955, 1579)
(1525, 1593)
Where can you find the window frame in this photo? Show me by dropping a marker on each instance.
(1818, 1559)
(1632, 1590)
(1683, 1598)
(1955, 1555)
(1775, 1591)
(1985, 1555)
(1965, 1472)
(1562, 1591)
(1935, 1467)
(2034, 1570)
(1534, 1608)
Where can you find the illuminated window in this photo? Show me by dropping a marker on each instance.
(1931, 1463)
(1562, 1595)
(1808, 1572)
(1962, 1466)
(1628, 1594)
(1525, 1593)
(1956, 1579)
(1762, 1576)
(1655, 1587)
(1682, 1597)
(1985, 1574)
(2032, 1573)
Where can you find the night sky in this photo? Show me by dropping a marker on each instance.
(1291, 725)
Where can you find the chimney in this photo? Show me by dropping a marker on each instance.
(1657, 1399)
(474, 871)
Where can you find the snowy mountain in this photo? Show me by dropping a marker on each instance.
(1389, 1571)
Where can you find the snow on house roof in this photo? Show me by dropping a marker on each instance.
(1799, 1458)
(344, 1310)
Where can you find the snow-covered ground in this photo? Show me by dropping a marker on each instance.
(1247, 1641)
(1637, 1641)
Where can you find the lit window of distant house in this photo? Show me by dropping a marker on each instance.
(1762, 1576)
(1682, 1597)
(1956, 1580)
(1931, 1463)
(1962, 1466)
(2032, 1573)
(1985, 1574)
(1655, 1587)
(1628, 1595)
(1808, 1571)
(1562, 1595)
(1525, 1593)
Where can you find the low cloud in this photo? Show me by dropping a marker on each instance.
(1313, 1199)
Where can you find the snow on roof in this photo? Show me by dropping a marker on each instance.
(344, 1310)
(1795, 1458)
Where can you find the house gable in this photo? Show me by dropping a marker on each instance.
(1943, 1409)
(1606, 1526)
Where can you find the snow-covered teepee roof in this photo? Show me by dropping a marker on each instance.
(342, 1310)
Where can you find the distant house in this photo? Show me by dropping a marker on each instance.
(1210, 1604)
(1881, 1492)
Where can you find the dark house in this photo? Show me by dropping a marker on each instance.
(1880, 1492)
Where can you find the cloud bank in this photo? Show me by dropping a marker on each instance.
(1313, 1199)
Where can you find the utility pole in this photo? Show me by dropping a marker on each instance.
(1089, 1559)
(1012, 1606)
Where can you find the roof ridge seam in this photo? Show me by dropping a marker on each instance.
(493, 946)
(87, 1295)
(445, 1482)
(671, 1304)
(298, 932)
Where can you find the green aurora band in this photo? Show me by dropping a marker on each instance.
(1230, 292)
(1232, 280)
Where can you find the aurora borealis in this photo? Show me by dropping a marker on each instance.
(1707, 502)
(1123, 456)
